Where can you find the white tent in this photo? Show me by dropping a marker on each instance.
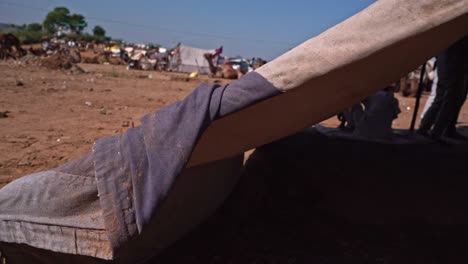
(190, 59)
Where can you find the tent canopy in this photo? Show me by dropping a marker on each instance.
(190, 59)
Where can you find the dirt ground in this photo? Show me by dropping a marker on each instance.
(55, 116)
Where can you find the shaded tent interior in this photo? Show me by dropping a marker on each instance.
(314, 199)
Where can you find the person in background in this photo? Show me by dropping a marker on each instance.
(218, 53)
(431, 97)
(452, 87)
(380, 109)
(373, 117)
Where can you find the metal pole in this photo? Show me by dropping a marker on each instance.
(418, 96)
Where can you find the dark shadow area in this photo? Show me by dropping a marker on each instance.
(312, 199)
(21, 254)
(463, 129)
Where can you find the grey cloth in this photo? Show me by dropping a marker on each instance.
(55, 210)
(97, 205)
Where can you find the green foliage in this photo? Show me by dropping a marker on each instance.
(27, 34)
(76, 19)
(54, 18)
(34, 27)
(29, 37)
(99, 31)
(86, 37)
(62, 10)
(77, 22)
(61, 16)
(31, 33)
(26, 37)
(34, 32)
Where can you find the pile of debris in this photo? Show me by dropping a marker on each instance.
(62, 59)
(64, 53)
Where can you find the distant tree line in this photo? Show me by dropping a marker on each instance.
(59, 23)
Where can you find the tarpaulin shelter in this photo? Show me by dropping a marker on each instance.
(190, 59)
(138, 192)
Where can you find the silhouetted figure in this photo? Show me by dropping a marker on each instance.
(452, 88)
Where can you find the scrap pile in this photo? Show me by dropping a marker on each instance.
(63, 53)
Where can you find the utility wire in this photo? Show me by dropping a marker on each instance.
(161, 28)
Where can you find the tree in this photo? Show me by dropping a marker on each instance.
(99, 31)
(34, 27)
(61, 17)
(77, 23)
(56, 18)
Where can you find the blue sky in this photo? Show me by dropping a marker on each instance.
(249, 28)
